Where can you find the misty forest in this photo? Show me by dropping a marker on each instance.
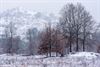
(34, 39)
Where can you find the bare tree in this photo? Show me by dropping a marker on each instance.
(31, 36)
(16, 44)
(86, 28)
(67, 23)
(30, 42)
(50, 42)
(98, 50)
(84, 25)
(10, 34)
(45, 43)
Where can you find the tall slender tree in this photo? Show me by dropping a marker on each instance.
(67, 23)
(10, 31)
(31, 37)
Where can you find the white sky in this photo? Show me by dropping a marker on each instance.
(93, 6)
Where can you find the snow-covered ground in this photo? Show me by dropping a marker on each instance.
(80, 59)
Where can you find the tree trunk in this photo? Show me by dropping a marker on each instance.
(70, 44)
(77, 47)
(83, 45)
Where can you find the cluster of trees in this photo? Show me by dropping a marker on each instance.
(76, 23)
(72, 33)
(50, 41)
(74, 29)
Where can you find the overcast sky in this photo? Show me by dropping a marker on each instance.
(51, 6)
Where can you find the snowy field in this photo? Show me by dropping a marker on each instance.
(81, 59)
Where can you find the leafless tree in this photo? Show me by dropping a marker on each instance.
(50, 42)
(67, 23)
(45, 43)
(86, 28)
(10, 35)
(84, 25)
(31, 36)
(76, 24)
(98, 50)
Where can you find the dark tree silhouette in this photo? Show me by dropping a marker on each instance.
(76, 24)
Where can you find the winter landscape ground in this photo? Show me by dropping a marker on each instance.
(49, 33)
(79, 59)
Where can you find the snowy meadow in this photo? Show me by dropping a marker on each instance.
(80, 59)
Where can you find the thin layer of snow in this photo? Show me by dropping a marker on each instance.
(85, 54)
(72, 60)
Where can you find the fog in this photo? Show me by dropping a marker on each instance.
(51, 6)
